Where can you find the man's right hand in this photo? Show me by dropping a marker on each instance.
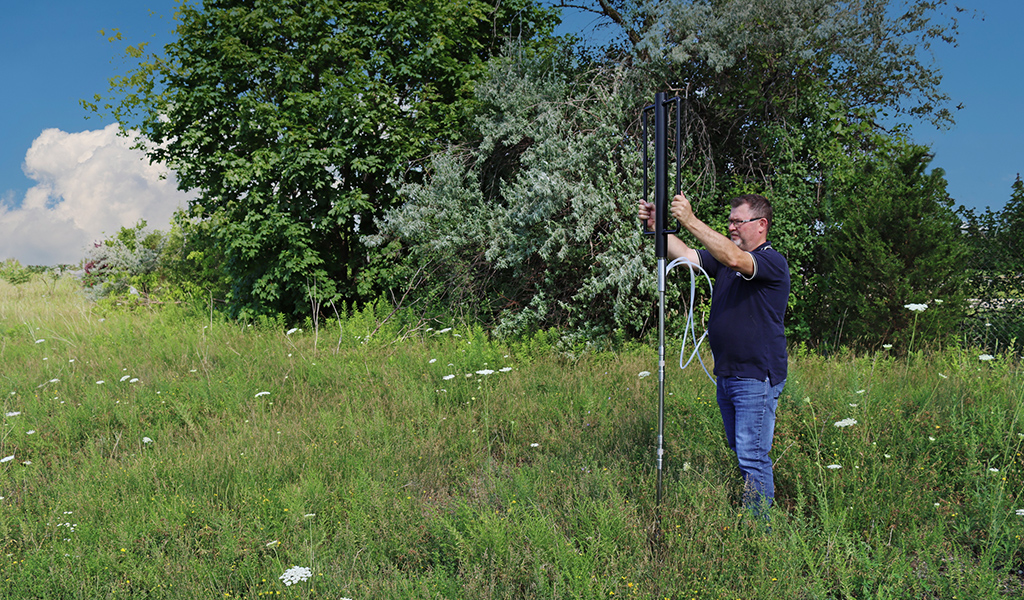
(646, 214)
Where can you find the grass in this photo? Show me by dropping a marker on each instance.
(365, 464)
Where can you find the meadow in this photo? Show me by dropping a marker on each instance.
(165, 452)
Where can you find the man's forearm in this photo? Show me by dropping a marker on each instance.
(721, 247)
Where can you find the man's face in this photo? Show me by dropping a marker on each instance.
(746, 233)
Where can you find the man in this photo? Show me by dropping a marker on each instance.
(745, 329)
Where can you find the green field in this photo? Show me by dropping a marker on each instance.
(164, 452)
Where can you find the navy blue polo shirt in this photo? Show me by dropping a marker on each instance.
(745, 329)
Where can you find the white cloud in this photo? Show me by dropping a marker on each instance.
(89, 185)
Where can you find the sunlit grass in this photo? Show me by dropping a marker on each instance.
(159, 452)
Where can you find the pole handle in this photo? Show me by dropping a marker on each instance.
(661, 208)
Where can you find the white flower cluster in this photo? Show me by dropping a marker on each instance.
(915, 307)
(846, 422)
(295, 575)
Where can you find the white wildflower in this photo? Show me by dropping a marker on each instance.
(505, 369)
(447, 377)
(432, 361)
(295, 575)
(13, 413)
(846, 422)
(644, 374)
(263, 393)
(986, 357)
(291, 331)
(146, 440)
(484, 372)
(915, 307)
(834, 467)
(7, 459)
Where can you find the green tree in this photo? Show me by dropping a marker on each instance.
(293, 122)
(768, 120)
(892, 239)
(995, 265)
(533, 225)
(744, 65)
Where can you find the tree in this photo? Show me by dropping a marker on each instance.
(767, 120)
(532, 226)
(996, 272)
(893, 239)
(743, 65)
(294, 121)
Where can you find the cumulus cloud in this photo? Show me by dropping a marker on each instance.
(88, 185)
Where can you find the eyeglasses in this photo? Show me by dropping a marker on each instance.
(738, 222)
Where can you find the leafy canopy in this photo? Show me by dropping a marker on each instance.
(294, 120)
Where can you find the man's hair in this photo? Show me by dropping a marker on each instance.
(758, 204)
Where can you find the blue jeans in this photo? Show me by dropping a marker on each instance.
(748, 414)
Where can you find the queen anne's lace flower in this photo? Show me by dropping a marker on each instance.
(295, 575)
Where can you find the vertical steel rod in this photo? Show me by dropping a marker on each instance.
(661, 251)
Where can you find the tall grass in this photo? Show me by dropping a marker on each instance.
(166, 453)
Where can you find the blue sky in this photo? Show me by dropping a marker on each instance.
(66, 181)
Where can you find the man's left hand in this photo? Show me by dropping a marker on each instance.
(681, 209)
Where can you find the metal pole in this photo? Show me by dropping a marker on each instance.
(661, 233)
(661, 252)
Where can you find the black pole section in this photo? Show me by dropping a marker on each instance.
(661, 233)
(660, 176)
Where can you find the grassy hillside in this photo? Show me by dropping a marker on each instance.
(166, 453)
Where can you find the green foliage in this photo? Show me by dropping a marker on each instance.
(776, 98)
(14, 273)
(293, 120)
(127, 261)
(892, 239)
(531, 227)
(137, 265)
(995, 267)
(757, 56)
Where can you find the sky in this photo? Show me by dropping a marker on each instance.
(67, 182)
